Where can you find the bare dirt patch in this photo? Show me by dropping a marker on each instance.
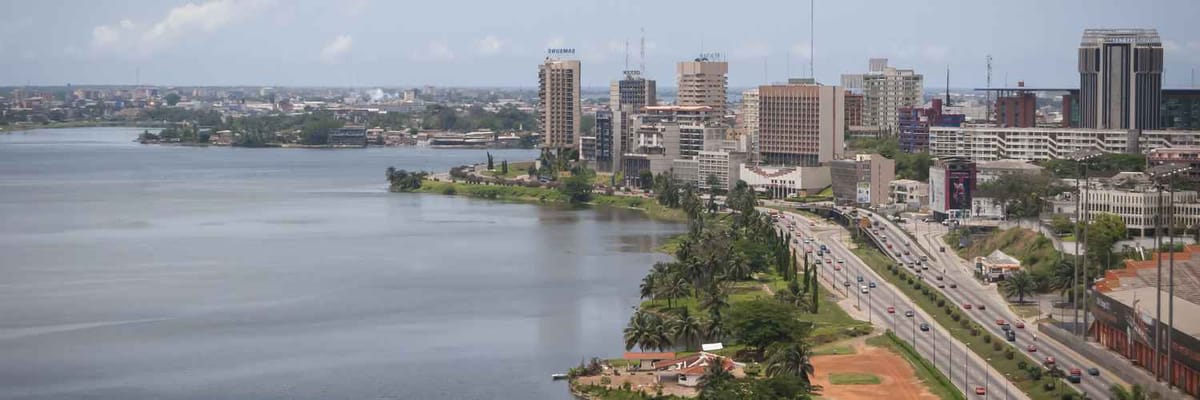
(898, 380)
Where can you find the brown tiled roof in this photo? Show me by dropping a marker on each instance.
(648, 356)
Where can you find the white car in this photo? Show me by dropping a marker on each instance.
(864, 289)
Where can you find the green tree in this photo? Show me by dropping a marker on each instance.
(1019, 285)
(646, 180)
(578, 189)
(646, 330)
(687, 330)
(490, 165)
(172, 99)
(1103, 232)
(504, 167)
(792, 358)
(1135, 392)
(1061, 224)
(532, 171)
(759, 323)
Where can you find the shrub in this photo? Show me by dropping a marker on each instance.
(449, 190)
(988, 339)
(604, 380)
(955, 317)
(1009, 354)
(974, 332)
(941, 303)
(995, 345)
(1022, 365)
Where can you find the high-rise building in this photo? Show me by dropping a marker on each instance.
(885, 90)
(750, 121)
(951, 184)
(559, 113)
(702, 83)
(1120, 78)
(632, 93)
(800, 124)
(608, 147)
(862, 180)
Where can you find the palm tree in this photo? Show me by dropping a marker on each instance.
(714, 328)
(646, 330)
(637, 331)
(672, 286)
(715, 298)
(737, 266)
(1135, 392)
(715, 374)
(391, 175)
(687, 330)
(792, 359)
(648, 286)
(1018, 285)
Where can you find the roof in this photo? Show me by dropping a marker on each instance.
(1184, 310)
(694, 364)
(1140, 274)
(998, 257)
(1007, 164)
(1094, 37)
(648, 356)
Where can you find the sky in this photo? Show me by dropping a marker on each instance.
(401, 43)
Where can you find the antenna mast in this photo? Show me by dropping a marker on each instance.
(626, 55)
(947, 104)
(988, 112)
(812, 18)
(642, 68)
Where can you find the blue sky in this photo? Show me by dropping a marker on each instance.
(500, 43)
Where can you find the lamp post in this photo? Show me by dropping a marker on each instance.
(1163, 176)
(987, 375)
(1082, 157)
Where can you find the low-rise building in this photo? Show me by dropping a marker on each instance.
(987, 171)
(1130, 196)
(1189, 156)
(996, 266)
(912, 193)
(780, 182)
(862, 180)
(348, 136)
(981, 143)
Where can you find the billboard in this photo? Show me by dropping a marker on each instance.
(937, 190)
(863, 193)
(1138, 323)
(960, 184)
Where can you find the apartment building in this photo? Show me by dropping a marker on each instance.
(559, 113)
(702, 82)
(1189, 156)
(885, 90)
(980, 143)
(862, 180)
(750, 121)
(1130, 196)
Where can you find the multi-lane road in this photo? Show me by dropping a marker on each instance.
(886, 306)
(970, 291)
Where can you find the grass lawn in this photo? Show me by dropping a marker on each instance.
(933, 379)
(547, 195)
(977, 342)
(1025, 310)
(515, 169)
(833, 349)
(850, 378)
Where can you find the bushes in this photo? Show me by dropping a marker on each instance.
(449, 190)
(995, 344)
(988, 339)
(942, 303)
(1022, 365)
(604, 380)
(1008, 354)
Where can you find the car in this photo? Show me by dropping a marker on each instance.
(924, 327)
(925, 267)
(872, 285)
(889, 246)
(1010, 335)
(864, 290)
(907, 244)
(828, 261)
(980, 391)
(939, 277)
(837, 267)
(1049, 360)
(891, 310)
(1076, 371)
(982, 306)
(906, 252)
(846, 283)
(1005, 328)
(807, 240)
(1001, 322)
(897, 254)
(841, 261)
(908, 313)
(1019, 325)
(941, 285)
(942, 249)
(954, 286)
(924, 258)
(1031, 348)
(1074, 378)
(1093, 371)
(860, 278)
(967, 306)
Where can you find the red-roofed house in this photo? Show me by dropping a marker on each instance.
(688, 370)
(646, 360)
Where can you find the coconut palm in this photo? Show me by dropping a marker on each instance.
(792, 359)
(672, 286)
(646, 330)
(715, 374)
(1018, 285)
(737, 267)
(648, 286)
(391, 174)
(687, 330)
(714, 326)
(716, 297)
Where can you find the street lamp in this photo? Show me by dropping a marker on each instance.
(1082, 157)
(1163, 176)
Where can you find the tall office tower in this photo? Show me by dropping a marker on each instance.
(632, 93)
(800, 124)
(1120, 78)
(702, 83)
(608, 146)
(559, 113)
(750, 121)
(885, 90)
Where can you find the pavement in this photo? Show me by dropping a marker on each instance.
(935, 345)
(972, 291)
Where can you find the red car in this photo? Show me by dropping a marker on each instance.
(1049, 360)
(1031, 348)
(1000, 321)
(1076, 372)
(837, 267)
(967, 306)
(891, 310)
(980, 391)
(1019, 325)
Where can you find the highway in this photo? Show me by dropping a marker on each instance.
(972, 291)
(966, 370)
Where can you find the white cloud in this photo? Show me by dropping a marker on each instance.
(179, 22)
(801, 51)
(556, 42)
(490, 45)
(435, 50)
(752, 50)
(336, 49)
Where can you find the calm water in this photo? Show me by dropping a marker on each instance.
(130, 271)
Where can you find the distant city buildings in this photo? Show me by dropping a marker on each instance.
(1018, 110)
(982, 143)
(632, 93)
(749, 122)
(863, 180)
(914, 124)
(559, 112)
(885, 90)
(1120, 78)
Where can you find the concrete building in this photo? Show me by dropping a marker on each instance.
(951, 184)
(1120, 78)
(608, 146)
(587, 148)
(1180, 109)
(702, 82)
(1127, 310)
(914, 123)
(1130, 196)
(349, 136)
(632, 93)
(885, 90)
(800, 124)
(862, 180)
(750, 121)
(723, 164)
(1189, 156)
(914, 194)
(780, 182)
(987, 171)
(1018, 110)
(686, 170)
(1037, 144)
(559, 113)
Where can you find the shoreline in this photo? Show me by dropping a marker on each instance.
(649, 207)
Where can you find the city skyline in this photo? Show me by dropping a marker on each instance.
(372, 43)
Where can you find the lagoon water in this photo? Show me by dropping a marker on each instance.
(165, 272)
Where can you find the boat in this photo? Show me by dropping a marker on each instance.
(558, 377)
